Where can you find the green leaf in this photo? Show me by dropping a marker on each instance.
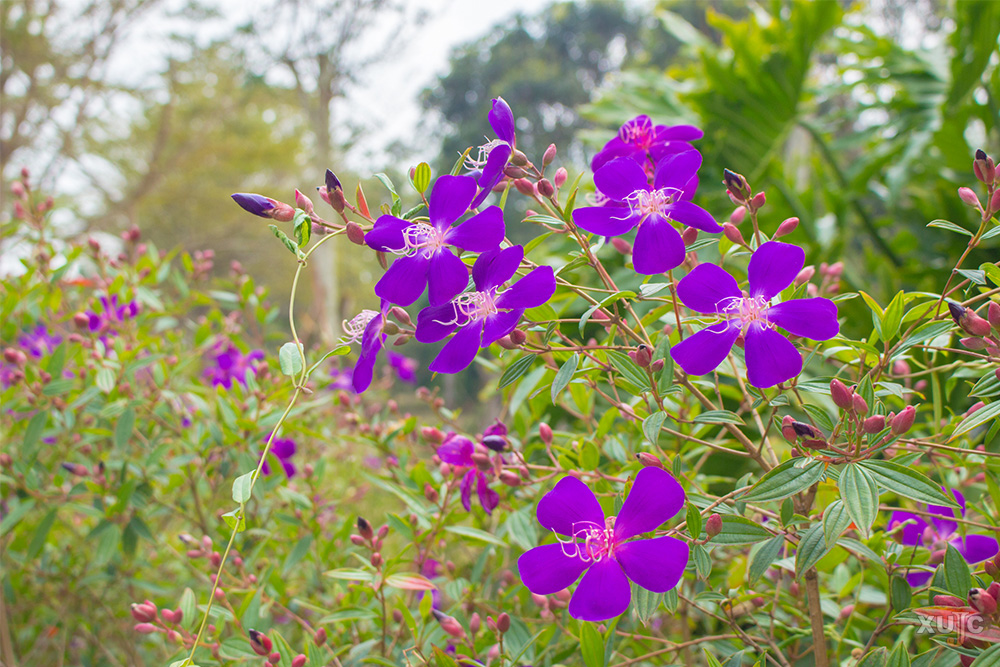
(189, 608)
(124, 428)
(564, 375)
(763, 558)
(346, 615)
(924, 333)
(350, 574)
(740, 530)
(516, 370)
(789, 478)
(950, 226)
(907, 482)
(812, 547)
(397, 205)
(591, 645)
(41, 533)
(629, 369)
(242, 487)
(983, 415)
(651, 426)
(296, 555)
(476, 534)
(874, 658)
(859, 491)
(957, 578)
(290, 359)
(892, 317)
(719, 417)
(988, 658)
(900, 593)
(836, 519)
(694, 521)
(409, 581)
(645, 603)
(421, 177)
(33, 433)
(302, 227)
(236, 519)
(288, 243)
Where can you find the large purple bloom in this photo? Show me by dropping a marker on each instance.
(494, 155)
(599, 545)
(658, 247)
(770, 357)
(939, 533)
(458, 451)
(426, 260)
(482, 317)
(641, 141)
(228, 363)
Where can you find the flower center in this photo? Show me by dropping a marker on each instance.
(747, 310)
(477, 163)
(638, 132)
(355, 328)
(591, 542)
(472, 306)
(422, 237)
(645, 203)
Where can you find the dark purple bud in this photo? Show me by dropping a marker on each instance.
(332, 182)
(736, 184)
(253, 203)
(259, 642)
(982, 601)
(957, 311)
(365, 528)
(983, 167)
(495, 442)
(804, 430)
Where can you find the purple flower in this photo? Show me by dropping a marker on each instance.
(770, 357)
(228, 363)
(494, 155)
(253, 203)
(341, 379)
(368, 327)
(405, 367)
(458, 451)
(658, 247)
(39, 342)
(431, 570)
(111, 313)
(641, 141)
(599, 545)
(283, 449)
(426, 261)
(483, 316)
(937, 535)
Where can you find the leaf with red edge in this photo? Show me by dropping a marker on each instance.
(409, 581)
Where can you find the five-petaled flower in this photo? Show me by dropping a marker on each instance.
(601, 547)
(484, 316)
(938, 534)
(640, 140)
(658, 247)
(426, 261)
(458, 450)
(770, 357)
(229, 363)
(494, 155)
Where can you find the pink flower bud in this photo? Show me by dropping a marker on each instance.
(992, 569)
(873, 424)
(900, 367)
(545, 188)
(545, 433)
(730, 231)
(383, 530)
(432, 434)
(621, 245)
(560, 177)
(430, 493)
(168, 616)
(994, 588)
(974, 408)
(902, 422)
(524, 186)
(518, 337)
(282, 212)
(376, 559)
(689, 235)
(973, 343)
(738, 215)
(995, 201)
(274, 658)
(299, 660)
(449, 624)
(737, 185)
(642, 356)
(993, 312)
(845, 613)
(982, 601)
(17, 189)
(657, 365)
(355, 233)
(145, 628)
(503, 622)
(14, 356)
(859, 404)
(713, 526)
(983, 167)
(758, 201)
(549, 155)
(303, 202)
(649, 460)
(143, 613)
(968, 196)
(320, 637)
(805, 275)
(510, 478)
(786, 227)
(948, 601)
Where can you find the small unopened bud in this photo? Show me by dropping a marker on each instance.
(738, 215)
(545, 433)
(973, 343)
(145, 628)
(873, 424)
(376, 559)
(524, 186)
(642, 356)
(995, 201)
(649, 460)
(495, 442)
(713, 525)
(983, 167)
(621, 245)
(804, 430)
(383, 530)
(299, 660)
(787, 430)
(560, 177)
(758, 201)
(992, 569)
(689, 235)
(449, 624)
(510, 478)
(14, 356)
(365, 528)
(974, 408)
(518, 158)
(968, 196)
(948, 601)
(503, 622)
(430, 493)
(355, 233)
(475, 623)
(320, 637)
(845, 613)
(432, 434)
(81, 320)
(902, 422)
(274, 658)
(730, 231)
(545, 188)
(259, 642)
(549, 155)
(859, 404)
(143, 613)
(786, 227)
(657, 365)
(982, 601)
(805, 275)
(736, 184)
(993, 312)
(303, 202)
(518, 337)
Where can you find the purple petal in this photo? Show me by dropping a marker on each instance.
(492, 172)
(976, 548)
(809, 318)
(918, 579)
(288, 467)
(548, 569)
(605, 221)
(708, 288)
(387, 234)
(494, 268)
(657, 565)
(499, 325)
(436, 322)
(457, 450)
(569, 508)
(676, 170)
(405, 280)
(450, 199)
(502, 120)
(283, 448)
(446, 278)
(488, 498)
(620, 177)
(693, 215)
(659, 151)
(483, 231)
(913, 533)
(943, 516)
(655, 497)
(603, 593)
(372, 342)
(614, 149)
(770, 357)
(466, 489)
(530, 291)
(703, 352)
(254, 203)
(459, 352)
(658, 248)
(773, 267)
(678, 133)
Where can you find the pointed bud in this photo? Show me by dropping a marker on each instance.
(621, 245)
(758, 201)
(320, 637)
(259, 642)
(845, 613)
(549, 155)
(365, 528)
(948, 601)
(510, 478)
(259, 205)
(730, 231)
(842, 396)
(968, 196)
(142, 613)
(689, 235)
(560, 177)
(957, 311)
(355, 233)
(545, 188)
(503, 622)
(972, 323)
(736, 184)
(657, 365)
(303, 202)
(383, 530)
(738, 215)
(804, 430)
(449, 624)
(982, 601)
(432, 434)
(642, 356)
(873, 424)
(786, 227)
(145, 628)
(376, 559)
(545, 433)
(713, 525)
(299, 660)
(524, 186)
(994, 589)
(859, 404)
(995, 201)
(518, 337)
(518, 158)
(787, 430)
(430, 493)
(649, 460)
(902, 422)
(993, 312)
(973, 343)
(992, 569)
(805, 275)
(983, 167)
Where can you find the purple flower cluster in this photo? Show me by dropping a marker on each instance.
(38, 342)
(110, 313)
(630, 199)
(601, 547)
(227, 363)
(770, 357)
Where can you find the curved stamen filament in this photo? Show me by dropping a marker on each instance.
(355, 327)
(637, 132)
(645, 203)
(590, 541)
(472, 306)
